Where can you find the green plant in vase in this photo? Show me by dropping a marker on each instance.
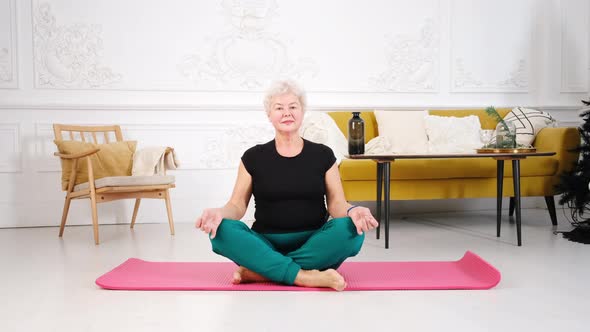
(505, 131)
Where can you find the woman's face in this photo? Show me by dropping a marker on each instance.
(286, 113)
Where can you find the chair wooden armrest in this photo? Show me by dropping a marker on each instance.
(77, 155)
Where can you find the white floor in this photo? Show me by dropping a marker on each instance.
(47, 283)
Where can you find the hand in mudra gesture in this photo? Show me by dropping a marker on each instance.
(362, 219)
(209, 221)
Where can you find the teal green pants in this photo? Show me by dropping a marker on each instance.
(279, 257)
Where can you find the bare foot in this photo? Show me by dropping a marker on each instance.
(243, 275)
(314, 278)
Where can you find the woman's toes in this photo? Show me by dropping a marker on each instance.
(237, 277)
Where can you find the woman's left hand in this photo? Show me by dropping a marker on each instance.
(362, 219)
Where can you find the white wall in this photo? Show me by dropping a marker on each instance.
(191, 74)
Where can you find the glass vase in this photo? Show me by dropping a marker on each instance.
(505, 135)
(356, 134)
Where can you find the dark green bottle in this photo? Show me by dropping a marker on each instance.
(356, 134)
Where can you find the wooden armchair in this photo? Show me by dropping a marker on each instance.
(107, 188)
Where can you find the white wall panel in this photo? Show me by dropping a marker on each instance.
(575, 64)
(44, 148)
(10, 151)
(487, 54)
(191, 74)
(377, 53)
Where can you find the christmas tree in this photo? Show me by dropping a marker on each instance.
(574, 185)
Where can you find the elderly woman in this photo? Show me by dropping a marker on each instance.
(291, 241)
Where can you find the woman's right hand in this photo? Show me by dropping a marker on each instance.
(209, 221)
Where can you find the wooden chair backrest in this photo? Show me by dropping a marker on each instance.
(91, 131)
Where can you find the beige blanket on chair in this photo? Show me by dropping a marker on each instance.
(154, 161)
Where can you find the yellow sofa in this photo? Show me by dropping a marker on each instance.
(460, 178)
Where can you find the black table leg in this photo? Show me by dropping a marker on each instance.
(511, 207)
(386, 168)
(379, 191)
(500, 183)
(516, 178)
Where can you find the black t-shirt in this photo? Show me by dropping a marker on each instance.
(289, 192)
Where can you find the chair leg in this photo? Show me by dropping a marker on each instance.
(135, 209)
(169, 210)
(64, 216)
(94, 216)
(551, 206)
(511, 207)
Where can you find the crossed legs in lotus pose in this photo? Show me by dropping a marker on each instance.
(307, 259)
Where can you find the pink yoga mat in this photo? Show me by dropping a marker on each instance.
(470, 272)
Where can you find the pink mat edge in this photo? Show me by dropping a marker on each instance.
(278, 287)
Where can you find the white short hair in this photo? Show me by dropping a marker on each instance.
(282, 87)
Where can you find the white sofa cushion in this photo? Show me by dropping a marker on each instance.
(449, 134)
(528, 123)
(404, 130)
(319, 127)
(378, 146)
(128, 181)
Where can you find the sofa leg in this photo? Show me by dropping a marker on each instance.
(551, 207)
(511, 207)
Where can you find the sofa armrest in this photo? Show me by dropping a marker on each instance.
(562, 141)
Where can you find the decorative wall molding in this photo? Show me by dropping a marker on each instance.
(8, 53)
(6, 74)
(463, 78)
(68, 56)
(10, 153)
(221, 144)
(225, 151)
(248, 57)
(517, 79)
(413, 61)
(237, 57)
(566, 85)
